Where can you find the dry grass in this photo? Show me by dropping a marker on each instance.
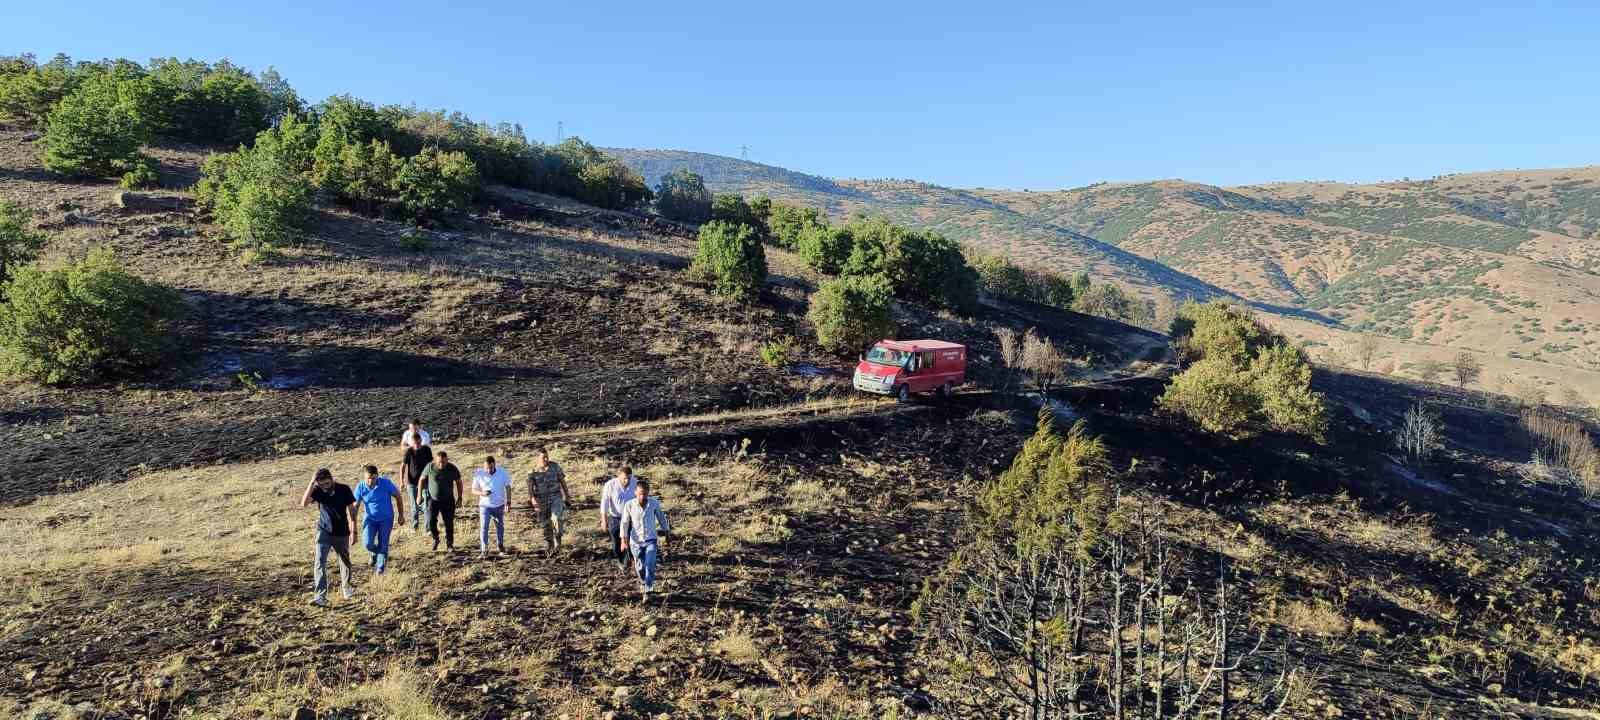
(1322, 619)
(1568, 446)
(403, 693)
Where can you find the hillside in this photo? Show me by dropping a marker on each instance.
(162, 564)
(959, 214)
(1498, 262)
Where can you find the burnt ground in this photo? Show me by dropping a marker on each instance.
(536, 313)
(1459, 587)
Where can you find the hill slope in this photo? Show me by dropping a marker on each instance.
(959, 214)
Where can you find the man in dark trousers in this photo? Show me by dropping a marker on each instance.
(441, 488)
(416, 443)
(338, 514)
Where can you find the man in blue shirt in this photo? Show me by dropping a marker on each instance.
(373, 497)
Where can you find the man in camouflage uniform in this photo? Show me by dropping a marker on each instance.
(549, 497)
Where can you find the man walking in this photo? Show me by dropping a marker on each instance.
(417, 446)
(374, 496)
(614, 495)
(549, 497)
(442, 490)
(490, 483)
(338, 514)
(644, 526)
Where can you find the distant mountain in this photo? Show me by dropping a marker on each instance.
(1502, 261)
(960, 214)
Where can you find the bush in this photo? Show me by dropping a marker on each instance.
(732, 258)
(256, 194)
(142, 175)
(785, 223)
(19, 245)
(731, 208)
(922, 266)
(214, 104)
(823, 248)
(777, 352)
(682, 196)
(1214, 394)
(29, 91)
(1242, 375)
(611, 184)
(999, 277)
(1058, 291)
(415, 242)
(852, 312)
(97, 130)
(85, 322)
(432, 183)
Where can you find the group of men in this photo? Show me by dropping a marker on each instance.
(630, 516)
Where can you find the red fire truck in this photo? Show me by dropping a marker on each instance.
(903, 367)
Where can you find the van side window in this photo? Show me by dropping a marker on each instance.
(927, 360)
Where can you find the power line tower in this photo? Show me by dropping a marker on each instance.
(561, 131)
(744, 153)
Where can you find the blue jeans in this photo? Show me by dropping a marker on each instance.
(498, 515)
(645, 555)
(375, 533)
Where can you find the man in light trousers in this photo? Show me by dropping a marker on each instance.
(644, 528)
(549, 497)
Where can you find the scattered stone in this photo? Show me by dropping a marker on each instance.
(139, 202)
(650, 632)
(304, 713)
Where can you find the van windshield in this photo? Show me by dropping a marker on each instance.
(880, 355)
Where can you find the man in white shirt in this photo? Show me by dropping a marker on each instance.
(644, 525)
(614, 495)
(490, 484)
(414, 436)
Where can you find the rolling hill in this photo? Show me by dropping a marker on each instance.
(1503, 262)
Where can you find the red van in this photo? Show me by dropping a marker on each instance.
(903, 367)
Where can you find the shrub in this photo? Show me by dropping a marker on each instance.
(1419, 434)
(256, 194)
(29, 90)
(1042, 360)
(850, 313)
(1057, 291)
(19, 245)
(731, 208)
(97, 130)
(1280, 376)
(682, 196)
(611, 184)
(414, 242)
(354, 171)
(922, 266)
(1107, 300)
(786, 221)
(777, 352)
(142, 175)
(85, 322)
(730, 257)
(1242, 375)
(1429, 370)
(1466, 368)
(213, 104)
(999, 277)
(823, 248)
(432, 183)
(1566, 445)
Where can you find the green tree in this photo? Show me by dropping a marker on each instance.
(1000, 277)
(85, 322)
(1280, 377)
(682, 196)
(785, 223)
(257, 194)
(850, 313)
(432, 183)
(1243, 375)
(823, 248)
(1215, 394)
(731, 208)
(1058, 291)
(732, 258)
(29, 90)
(96, 131)
(19, 244)
(613, 185)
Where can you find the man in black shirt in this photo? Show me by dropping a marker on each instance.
(338, 514)
(412, 464)
(441, 488)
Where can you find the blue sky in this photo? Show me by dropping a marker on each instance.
(995, 94)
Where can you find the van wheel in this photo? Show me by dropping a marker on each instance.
(946, 390)
(903, 394)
